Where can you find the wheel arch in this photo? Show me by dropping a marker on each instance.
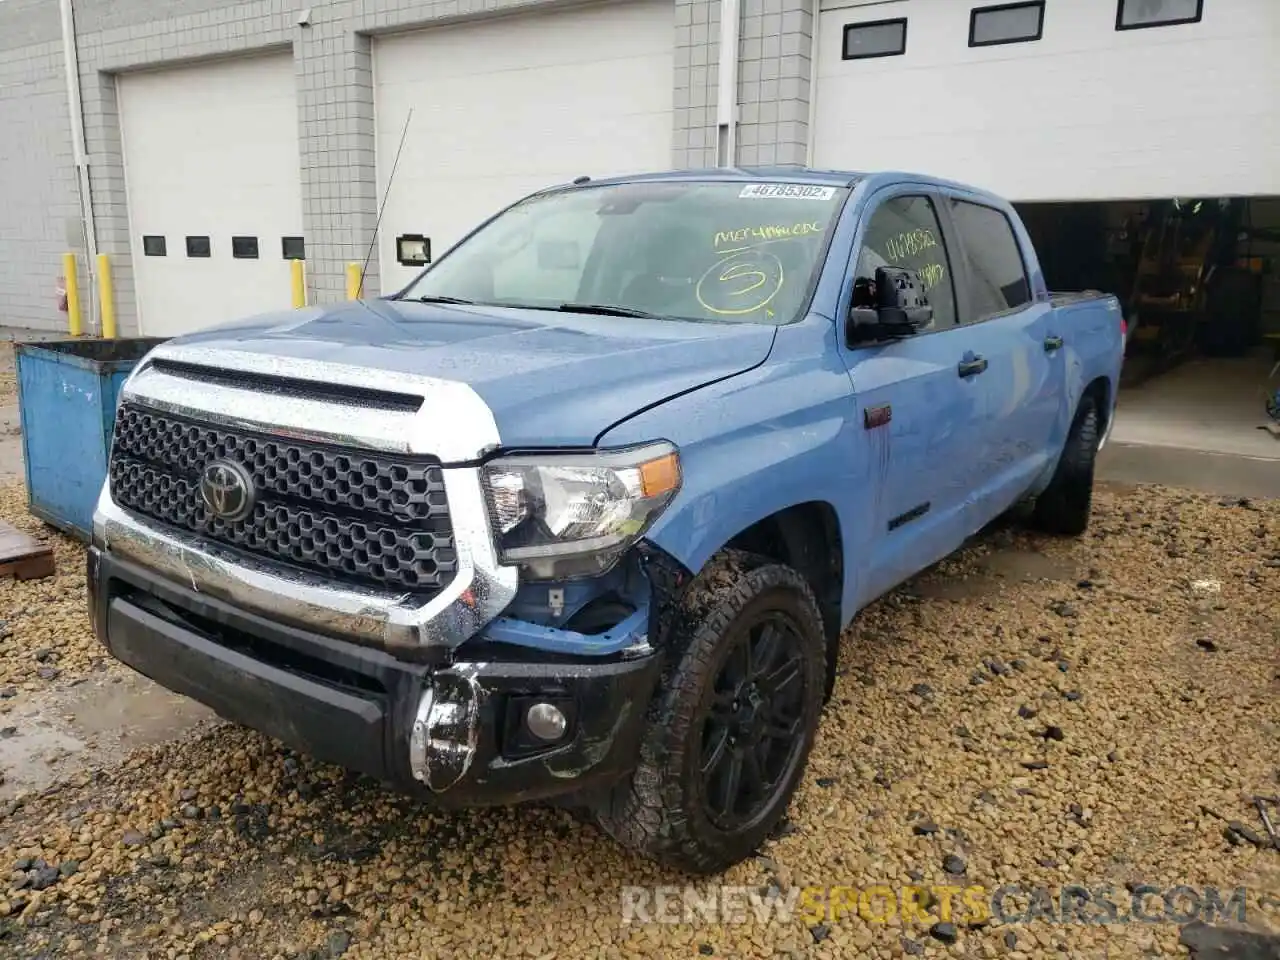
(1100, 390)
(807, 538)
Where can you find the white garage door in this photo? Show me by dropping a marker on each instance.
(502, 107)
(1088, 111)
(212, 173)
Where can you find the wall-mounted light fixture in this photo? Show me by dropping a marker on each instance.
(413, 249)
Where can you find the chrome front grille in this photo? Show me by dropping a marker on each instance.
(376, 518)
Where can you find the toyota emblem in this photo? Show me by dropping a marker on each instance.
(227, 490)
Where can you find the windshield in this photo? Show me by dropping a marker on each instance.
(736, 252)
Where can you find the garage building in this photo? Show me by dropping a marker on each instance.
(214, 142)
(205, 144)
(1140, 141)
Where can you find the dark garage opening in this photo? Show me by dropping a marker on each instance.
(1199, 282)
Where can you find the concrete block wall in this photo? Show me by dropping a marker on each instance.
(697, 61)
(335, 114)
(39, 197)
(336, 137)
(774, 69)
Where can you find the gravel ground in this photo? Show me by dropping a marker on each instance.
(45, 639)
(1047, 712)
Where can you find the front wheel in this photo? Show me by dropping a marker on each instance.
(731, 729)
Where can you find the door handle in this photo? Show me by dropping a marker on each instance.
(972, 366)
(1052, 343)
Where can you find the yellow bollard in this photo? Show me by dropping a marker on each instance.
(299, 288)
(107, 297)
(354, 281)
(73, 293)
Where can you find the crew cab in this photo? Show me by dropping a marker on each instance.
(581, 513)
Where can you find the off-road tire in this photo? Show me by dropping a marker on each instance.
(661, 811)
(1065, 505)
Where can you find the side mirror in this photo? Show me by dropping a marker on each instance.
(892, 306)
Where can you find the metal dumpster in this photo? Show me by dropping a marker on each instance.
(67, 395)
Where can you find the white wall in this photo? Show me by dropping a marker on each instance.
(1087, 112)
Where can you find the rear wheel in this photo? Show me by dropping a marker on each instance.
(731, 730)
(1066, 503)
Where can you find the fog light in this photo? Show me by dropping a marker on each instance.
(546, 722)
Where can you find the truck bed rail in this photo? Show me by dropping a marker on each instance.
(1063, 298)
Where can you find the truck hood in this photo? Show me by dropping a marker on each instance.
(551, 379)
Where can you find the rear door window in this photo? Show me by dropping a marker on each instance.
(998, 279)
(904, 232)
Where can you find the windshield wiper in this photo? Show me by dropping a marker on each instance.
(606, 310)
(437, 299)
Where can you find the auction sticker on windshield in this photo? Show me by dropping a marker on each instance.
(786, 191)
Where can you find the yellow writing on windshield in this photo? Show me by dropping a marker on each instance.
(910, 247)
(931, 274)
(741, 283)
(910, 243)
(773, 231)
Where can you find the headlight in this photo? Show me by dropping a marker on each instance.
(573, 515)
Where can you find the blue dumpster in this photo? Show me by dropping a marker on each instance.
(67, 395)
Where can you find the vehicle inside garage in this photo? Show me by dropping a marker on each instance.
(1199, 282)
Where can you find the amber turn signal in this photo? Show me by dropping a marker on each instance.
(660, 476)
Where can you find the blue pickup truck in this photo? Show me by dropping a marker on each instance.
(580, 514)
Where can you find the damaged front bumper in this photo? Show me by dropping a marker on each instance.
(460, 730)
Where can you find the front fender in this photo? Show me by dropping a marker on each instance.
(758, 443)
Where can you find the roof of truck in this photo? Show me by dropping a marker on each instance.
(842, 178)
(873, 180)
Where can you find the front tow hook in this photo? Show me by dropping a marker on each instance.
(446, 731)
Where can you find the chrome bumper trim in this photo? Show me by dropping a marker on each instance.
(446, 731)
(453, 424)
(479, 591)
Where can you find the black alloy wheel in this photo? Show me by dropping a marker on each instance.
(751, 731)
(731, 726)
